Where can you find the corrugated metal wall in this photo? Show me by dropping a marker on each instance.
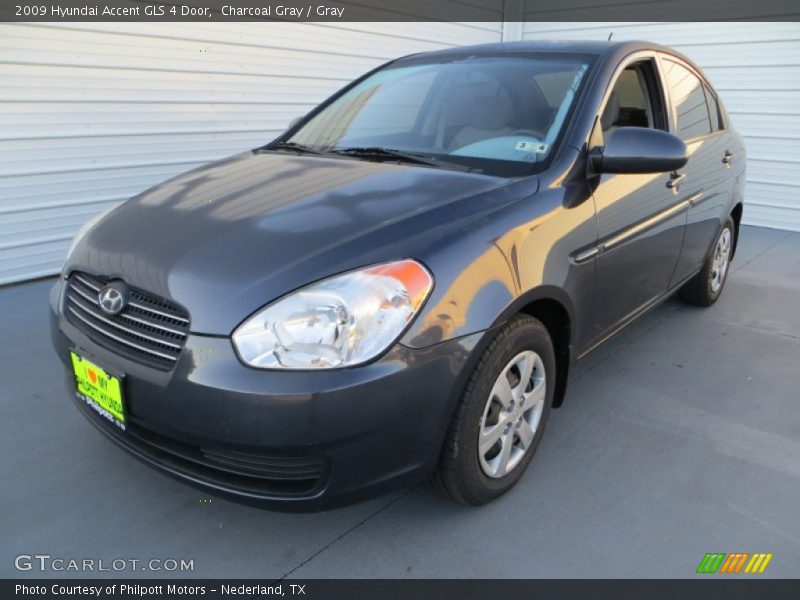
(756, 69)
(91, 114)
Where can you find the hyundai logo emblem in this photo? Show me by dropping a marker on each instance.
(113, 298)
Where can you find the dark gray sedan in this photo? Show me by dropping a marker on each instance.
(397, 287)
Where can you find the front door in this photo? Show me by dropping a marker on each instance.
(640, 221)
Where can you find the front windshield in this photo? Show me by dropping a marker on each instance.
(498, 115)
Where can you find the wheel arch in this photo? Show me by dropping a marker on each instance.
(552, 306)
(736, 214)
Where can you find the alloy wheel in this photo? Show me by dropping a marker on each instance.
(721, 260)
(512, 414)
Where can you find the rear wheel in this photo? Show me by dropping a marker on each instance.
(501, 416)
(705, 288)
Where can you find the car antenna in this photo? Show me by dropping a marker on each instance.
(609, 36)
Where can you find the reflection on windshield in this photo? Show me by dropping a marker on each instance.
(501, 115)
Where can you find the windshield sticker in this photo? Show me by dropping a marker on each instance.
(537, 147)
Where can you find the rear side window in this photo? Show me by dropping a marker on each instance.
(689, 99)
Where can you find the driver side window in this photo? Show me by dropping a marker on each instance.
(634, 100)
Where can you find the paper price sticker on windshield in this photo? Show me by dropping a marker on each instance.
(537, 147)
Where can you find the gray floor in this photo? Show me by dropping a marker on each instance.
(679, 437)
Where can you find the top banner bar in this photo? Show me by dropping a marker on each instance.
(298, 11)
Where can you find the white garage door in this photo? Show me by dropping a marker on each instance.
(756, 69)
(91, 114)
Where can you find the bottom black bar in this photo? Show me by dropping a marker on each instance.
(707, 588)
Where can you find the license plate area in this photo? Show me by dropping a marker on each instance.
(101, 390)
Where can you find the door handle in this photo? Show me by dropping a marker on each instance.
(675, 180)
(727, 159)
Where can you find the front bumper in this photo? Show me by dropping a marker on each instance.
(305, 440)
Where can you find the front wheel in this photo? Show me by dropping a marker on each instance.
(501, 415)
(705, 288)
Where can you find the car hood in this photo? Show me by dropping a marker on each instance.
(228, 238)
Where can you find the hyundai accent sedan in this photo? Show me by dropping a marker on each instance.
(397, 287)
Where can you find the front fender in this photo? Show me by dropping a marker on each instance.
(492, 269)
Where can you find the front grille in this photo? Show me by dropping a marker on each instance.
(149, 330)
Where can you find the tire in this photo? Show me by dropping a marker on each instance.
(463, 473)
(706, 287)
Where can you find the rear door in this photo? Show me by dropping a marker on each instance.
(698, 121)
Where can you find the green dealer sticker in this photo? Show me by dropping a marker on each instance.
(101, 390)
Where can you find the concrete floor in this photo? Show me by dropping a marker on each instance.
(680, 436)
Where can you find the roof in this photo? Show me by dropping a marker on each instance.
(554, 46)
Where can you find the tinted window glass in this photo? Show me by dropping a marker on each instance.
(713, 110)
(629, 103)
(500, 114)
(363, 115)
(689, 100)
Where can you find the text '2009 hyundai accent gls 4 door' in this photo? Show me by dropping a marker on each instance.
(397, 287)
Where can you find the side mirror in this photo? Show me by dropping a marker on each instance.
(639, 150)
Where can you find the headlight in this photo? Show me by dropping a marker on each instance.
(84, 230)
(342, 321)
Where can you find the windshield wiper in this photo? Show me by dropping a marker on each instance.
(375, 152)
(294, 146)
(389, 154)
